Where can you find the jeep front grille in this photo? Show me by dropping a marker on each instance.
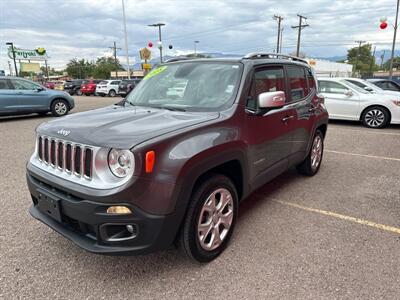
(71, 158)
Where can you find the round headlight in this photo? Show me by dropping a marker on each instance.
(121, 162)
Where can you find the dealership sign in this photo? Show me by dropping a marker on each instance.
(24, 54)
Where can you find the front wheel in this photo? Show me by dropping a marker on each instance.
(312, 163)
(112, 93)
(375, 117)
(210, 219)
(59, 108)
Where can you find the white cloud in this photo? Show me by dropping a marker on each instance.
(85, 29)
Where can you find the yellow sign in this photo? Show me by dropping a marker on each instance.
(146, 66)
(30, 67)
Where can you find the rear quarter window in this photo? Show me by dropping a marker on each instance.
(297, 83)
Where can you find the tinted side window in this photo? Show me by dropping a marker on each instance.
(266, 80)
(392, 87)
(297, 83)
(4, 85)
(331, 87)
(357, 83)
(23, 85)
(311, 80)
(380, 84)
(114, 82)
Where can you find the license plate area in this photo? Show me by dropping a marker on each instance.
(49, 204)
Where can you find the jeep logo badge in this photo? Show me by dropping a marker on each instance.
(64, 132)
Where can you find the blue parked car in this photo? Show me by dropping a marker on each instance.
(19, 96)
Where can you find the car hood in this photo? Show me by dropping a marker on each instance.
(121, 127)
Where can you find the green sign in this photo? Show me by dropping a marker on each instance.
(24, 54)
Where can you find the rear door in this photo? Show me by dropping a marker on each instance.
(338, 101)
(269, 135)
(114, 85)
(302, 91)
(9, 101)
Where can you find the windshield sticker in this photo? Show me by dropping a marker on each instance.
(155, 72)
(229, 89)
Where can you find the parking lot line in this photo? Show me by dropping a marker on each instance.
(364, 155)
(341, 217)
(380, 132)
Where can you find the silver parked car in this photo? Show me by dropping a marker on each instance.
(20, 96)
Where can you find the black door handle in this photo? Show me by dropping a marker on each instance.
(287, 118)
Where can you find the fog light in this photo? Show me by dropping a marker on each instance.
(130, 228)
(120, 210)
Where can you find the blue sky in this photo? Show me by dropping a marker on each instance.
(86, 28)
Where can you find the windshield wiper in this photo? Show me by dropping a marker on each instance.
(171, 108)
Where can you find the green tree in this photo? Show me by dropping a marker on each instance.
(80, 68)
(396, 63)
(104, 66)
(362, 59)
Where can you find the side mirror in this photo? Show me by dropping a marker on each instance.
(348, 93)
(368, 89)
(39, 89)
(271, 100)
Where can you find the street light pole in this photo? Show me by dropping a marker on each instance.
(396, 25)
(159, 25)
(13, 52)
(195, 47)
(126, 40)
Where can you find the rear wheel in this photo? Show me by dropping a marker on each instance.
(310, 166)
(375, 117)
(210, 219)
(112, 93)
(59, 108)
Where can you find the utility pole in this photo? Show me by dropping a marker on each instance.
(281, 41)
(195, 47)
(114, 49)
(47, 69)
(383, 58)
(300, 27)
(279, 19)
(396, 25)
(372, 61)
(159, 25)
(11, 44)
(358, 53)
(9, 67)
(126, 40)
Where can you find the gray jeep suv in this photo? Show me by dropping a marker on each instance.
(171, 162)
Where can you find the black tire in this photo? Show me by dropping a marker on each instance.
(88, 95)
(59, 108)
(375, 117)
(78, 92)
(307, 167)
(188, 240)
(112, 93)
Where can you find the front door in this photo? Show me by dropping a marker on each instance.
(32, 97)
(339, 100)
(269, 135)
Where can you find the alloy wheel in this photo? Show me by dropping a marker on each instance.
(60, 108)
(374, 118)
(215, 220)
(316, 152)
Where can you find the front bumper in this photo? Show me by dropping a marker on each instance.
(86, 223)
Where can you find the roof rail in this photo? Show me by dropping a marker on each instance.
(179, 58)
(261, 55)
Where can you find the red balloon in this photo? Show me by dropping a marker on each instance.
(150, 44)
(383, 25)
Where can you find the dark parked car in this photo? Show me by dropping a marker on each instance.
(386, 84)
(20, 96)
(88, 87)
(73, 87)
(126, 86)
(163, 166)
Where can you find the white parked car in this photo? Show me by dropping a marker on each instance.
(346, 101)
(108, 87)
(370, 87)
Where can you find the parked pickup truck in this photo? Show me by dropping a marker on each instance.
(162, 167)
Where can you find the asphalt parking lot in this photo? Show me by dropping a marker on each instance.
(333, 236)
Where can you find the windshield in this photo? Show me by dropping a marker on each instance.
(201, 86)
(354, 87)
